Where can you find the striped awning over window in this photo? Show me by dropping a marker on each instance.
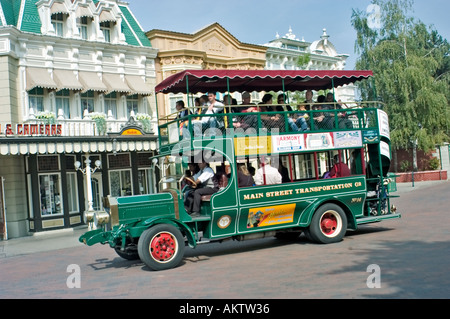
(106, 16)
(66, 79)
(39, 78)
(84, 12)
(115, 83)
(137, 85)
(86, 81)
(59, 7)
(91, 82)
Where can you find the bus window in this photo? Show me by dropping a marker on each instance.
(303, 166)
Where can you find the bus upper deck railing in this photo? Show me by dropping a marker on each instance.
(254, 119)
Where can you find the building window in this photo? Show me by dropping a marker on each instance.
(50, 194)
(58, 23)
(36, 99)
(72, 193)
(132, 104)
(83, 24)
(63, 102)
(48, 163)
(105, 27)
(120, 182)
(119, 160)
(145, 181)
(111, 104)
(87, 102)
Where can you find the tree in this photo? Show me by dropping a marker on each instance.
(411, 64)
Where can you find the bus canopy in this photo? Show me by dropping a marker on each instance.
(194, 81)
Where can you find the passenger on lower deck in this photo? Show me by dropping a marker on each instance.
(244, 177)
(339, 168)
(267, 174)
(204, 184)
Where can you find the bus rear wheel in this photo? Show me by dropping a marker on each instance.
(161, 247)
(328, 225)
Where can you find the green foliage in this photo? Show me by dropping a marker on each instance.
(100, 122)
(411, 64)
(303, 61)
(404, 166)
(47, 117)
(434, 164)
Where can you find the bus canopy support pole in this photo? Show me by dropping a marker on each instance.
(316, 167)
(190, 128)
(363, 161)
(286, 122)
(334, 96)
(225, 109)
(290, 167)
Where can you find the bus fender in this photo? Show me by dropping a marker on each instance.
(188, 232)
(94, 236)
(307, 216)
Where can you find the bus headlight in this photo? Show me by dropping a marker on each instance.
(101, 218)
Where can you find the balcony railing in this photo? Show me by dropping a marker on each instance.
(92, 124)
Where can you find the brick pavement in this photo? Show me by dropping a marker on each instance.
(412, 253)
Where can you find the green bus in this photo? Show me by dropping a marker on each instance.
(278, 168)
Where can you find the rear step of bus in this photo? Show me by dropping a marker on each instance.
(373, 219)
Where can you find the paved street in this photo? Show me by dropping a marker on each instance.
(412, 255)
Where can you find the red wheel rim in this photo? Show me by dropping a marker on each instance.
(163, 247)
(330, 224)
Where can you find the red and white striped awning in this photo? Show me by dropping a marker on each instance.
(21, 146)
(257, 80)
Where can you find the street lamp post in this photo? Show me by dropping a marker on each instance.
(88, 171)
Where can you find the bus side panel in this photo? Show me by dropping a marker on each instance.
(293, 204)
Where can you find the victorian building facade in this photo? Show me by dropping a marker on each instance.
(283, 53)
(212, 47)
(77, 85)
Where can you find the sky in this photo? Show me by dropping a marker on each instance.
(258, 21)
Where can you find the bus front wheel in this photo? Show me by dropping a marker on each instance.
(161, 247)
(328, 225)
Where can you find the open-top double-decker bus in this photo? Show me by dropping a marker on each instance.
(320, 168)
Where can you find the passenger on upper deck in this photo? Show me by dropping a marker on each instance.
(322, 120)
(270, 121)
(295, 124)
(344, 122)
(246, 101)
(182, 112)
(266, 174)
(213, 107)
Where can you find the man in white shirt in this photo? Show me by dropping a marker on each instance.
(205, 122)
(266, 174)
(204, 185)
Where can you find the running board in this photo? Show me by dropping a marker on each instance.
(374, 219)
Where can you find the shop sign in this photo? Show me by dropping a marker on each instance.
(33, 130)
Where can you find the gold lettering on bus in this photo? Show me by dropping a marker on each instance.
(304, 190)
